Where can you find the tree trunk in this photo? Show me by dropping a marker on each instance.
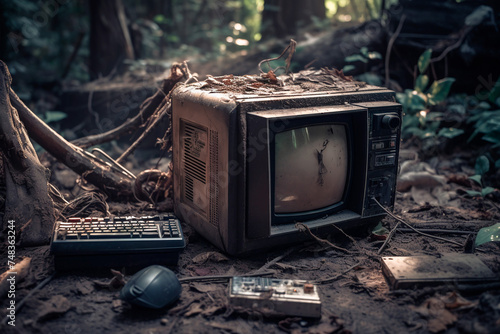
(28, 207)
(282, 18)
(110, 41)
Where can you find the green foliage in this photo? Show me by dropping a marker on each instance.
(450, 132)
(419, 120)
(41, 36)
(482, 165)
(481, 168)
(487, 234)
(53, 116)
(421, 83)
(364, 56)
(494, 95)
(424, 60)
(439, 90)
(486, 123)
(380, 230)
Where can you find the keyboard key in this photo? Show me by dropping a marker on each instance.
(150, 234)
(103, 235)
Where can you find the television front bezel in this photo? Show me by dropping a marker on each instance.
(260, 195)
(299, 123)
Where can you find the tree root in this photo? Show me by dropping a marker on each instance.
(28, 207)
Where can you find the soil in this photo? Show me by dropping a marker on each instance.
(358, 301)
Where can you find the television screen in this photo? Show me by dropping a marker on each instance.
(311, 168)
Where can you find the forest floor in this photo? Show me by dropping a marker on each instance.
(357, 300)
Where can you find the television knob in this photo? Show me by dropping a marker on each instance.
(391, 122)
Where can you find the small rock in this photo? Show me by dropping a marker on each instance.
(164, 321)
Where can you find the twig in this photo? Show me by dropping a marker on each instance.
(348, 236)
(291, 46)
(164, 109)
(452, 47)
(274, 261)
(113, 161)
(389, 48)
(159, 116)
(122, 18)
(412, 228)
(304, 228)
(336, 277)
(147, 108)
(86, 204)
(221, 277)
(78, 43)
(388, 238)
(435, 230)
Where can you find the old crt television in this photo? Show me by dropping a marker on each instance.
(250, 164)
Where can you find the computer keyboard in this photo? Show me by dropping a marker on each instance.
(117, 242)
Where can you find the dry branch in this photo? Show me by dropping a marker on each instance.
(148, 107)
(114, 184)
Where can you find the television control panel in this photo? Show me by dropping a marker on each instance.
(383, 153)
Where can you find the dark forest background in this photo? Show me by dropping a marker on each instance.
(73, 61)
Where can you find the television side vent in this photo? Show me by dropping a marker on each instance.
(214, 178)
(194, 164)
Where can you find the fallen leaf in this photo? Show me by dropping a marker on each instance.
(83, 288)
(453, 300)
(193, 309)
(442, 321)
(289, 323)
(117, 305)
(211, 310)
(460, 179)
(239, 327)
(379, 232)
(202, 271)
(419, 179)
(21, 269)
(53, 307)
(201, 287)
(272, 77)
(286, 267)
(423, 196)
(438, 317)
(116, 283)
(209, 256)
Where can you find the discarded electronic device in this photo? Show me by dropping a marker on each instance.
(91, 242)
(290, 297)
(251, 160)
(409, 271)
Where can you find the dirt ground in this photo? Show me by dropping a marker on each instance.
(357, 300)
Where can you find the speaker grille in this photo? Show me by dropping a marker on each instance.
(194, 164)
(214, 178)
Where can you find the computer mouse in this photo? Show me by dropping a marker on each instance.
(152, 287)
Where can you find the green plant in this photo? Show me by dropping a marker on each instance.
(482, 167)
(419, 120)
(364, 56)
(487, 234)
(486, 122)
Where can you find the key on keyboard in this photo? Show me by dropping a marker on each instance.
(119, 241)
